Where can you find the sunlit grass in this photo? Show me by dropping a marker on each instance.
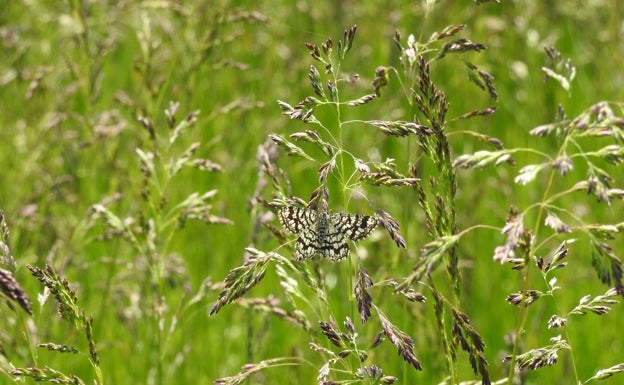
(77, 76)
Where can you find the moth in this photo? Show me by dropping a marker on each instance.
(324, 233)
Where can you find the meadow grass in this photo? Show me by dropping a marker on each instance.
(147, 158)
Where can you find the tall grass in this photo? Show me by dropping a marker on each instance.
(497, 206)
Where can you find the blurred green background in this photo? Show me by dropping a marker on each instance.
(75, 76)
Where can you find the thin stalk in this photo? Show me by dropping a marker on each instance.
(526, 284)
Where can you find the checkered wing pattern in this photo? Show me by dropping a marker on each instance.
(307, 244)
(333, 244)
(324, 234)
(296, 219)
(354, 226)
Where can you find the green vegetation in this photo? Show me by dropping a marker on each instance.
(169, 168)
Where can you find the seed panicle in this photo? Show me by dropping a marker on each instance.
(13, 291)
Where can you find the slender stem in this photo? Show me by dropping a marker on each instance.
(526, 278)
(526, 284)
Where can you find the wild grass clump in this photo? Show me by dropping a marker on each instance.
(68, 310)
(340, 168)
(346, 176)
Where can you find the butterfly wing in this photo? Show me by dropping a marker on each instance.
(296, 219)
(333, 244)
(354, 226)
(307, 244)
